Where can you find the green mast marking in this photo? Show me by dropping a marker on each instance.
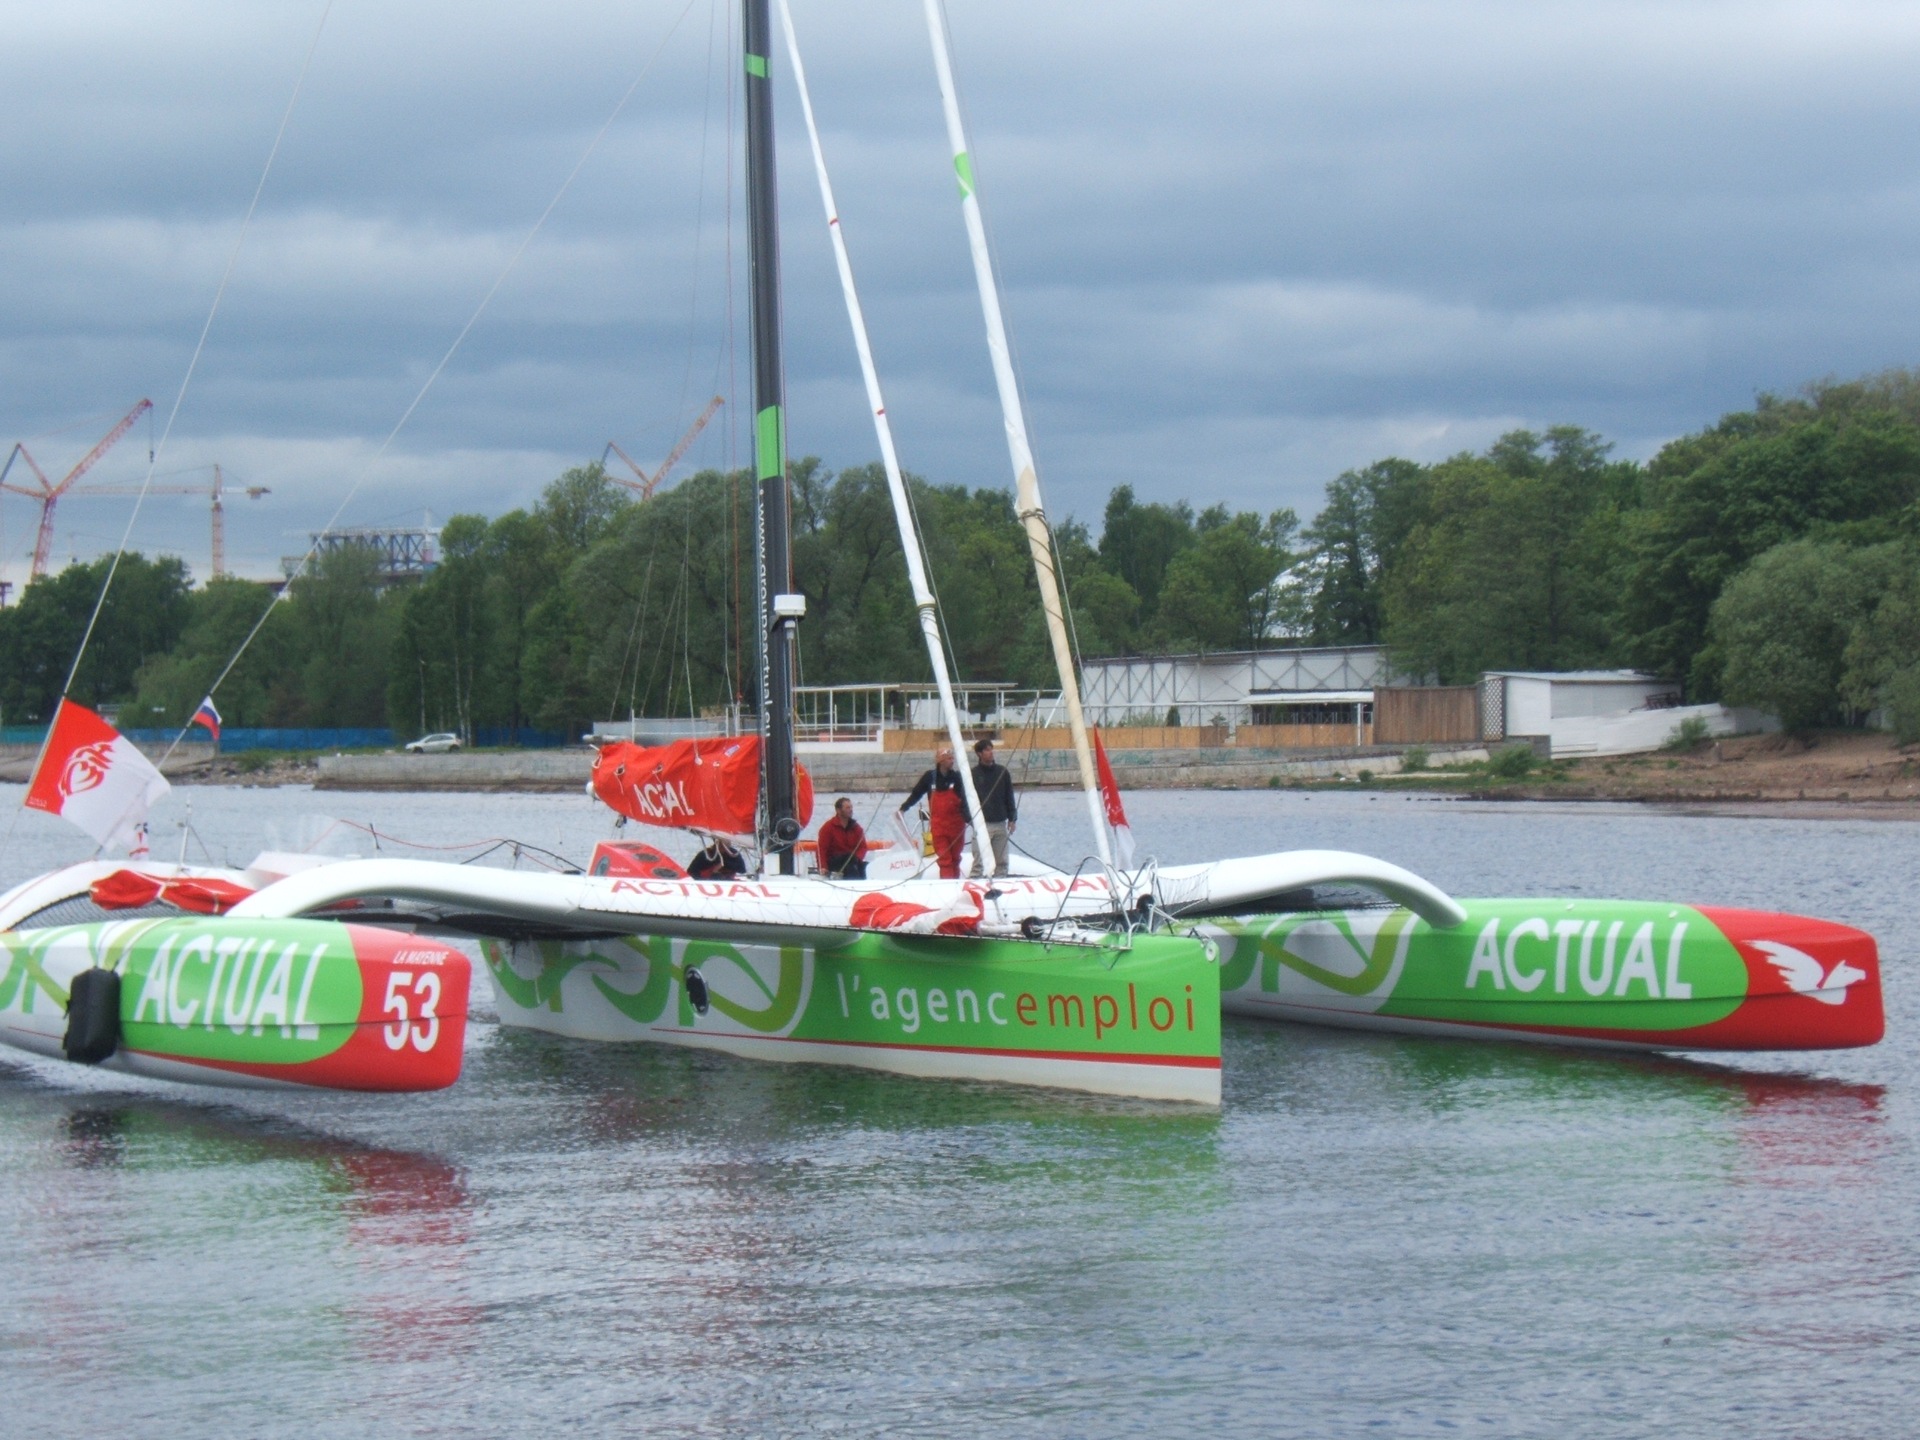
(963, 167)
(770, 442)
(757, 65)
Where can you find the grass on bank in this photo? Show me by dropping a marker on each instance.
(1509, 767)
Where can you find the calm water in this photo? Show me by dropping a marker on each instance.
(1386, 1236)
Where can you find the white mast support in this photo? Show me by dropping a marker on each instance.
(896, 484)
(1026, 481)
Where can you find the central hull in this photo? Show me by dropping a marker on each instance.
(1139, 1020)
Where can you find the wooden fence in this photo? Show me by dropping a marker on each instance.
(1150, 737)
(1426, 714)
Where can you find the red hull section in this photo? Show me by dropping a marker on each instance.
(1841, 1010)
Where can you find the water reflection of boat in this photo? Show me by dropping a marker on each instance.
(399, 1219)
(423, 1195)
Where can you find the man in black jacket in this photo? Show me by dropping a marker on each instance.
(994, 785)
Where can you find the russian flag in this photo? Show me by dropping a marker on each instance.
(208, 716)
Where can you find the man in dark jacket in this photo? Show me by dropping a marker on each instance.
(994, 785)
(843, 844)
(716, 861)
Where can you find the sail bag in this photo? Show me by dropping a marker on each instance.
(710, 785)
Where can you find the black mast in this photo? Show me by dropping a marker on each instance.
(778, 606)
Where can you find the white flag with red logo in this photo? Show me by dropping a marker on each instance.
(92, 775)
(1110, 796)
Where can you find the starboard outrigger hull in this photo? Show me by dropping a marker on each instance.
(1620, 974)
(246, 1002)
(1139, 1019)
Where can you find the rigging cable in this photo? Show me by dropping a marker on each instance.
(1019, 372)
(154, 449)
(193, 361)
(474, 319)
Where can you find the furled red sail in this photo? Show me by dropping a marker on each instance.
(711, 785)
(1110, 795)
(202, 894)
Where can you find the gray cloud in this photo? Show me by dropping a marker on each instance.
(1247, 246)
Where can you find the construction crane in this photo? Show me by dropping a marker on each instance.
(646, 484)
(218, 489)
(49, 493)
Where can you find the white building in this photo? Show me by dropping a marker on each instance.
(1598, 712)
(1325, 685)
(1527, 702)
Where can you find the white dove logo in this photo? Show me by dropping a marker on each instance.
(1804, 975)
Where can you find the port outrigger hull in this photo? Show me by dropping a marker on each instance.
(1620, 974)
(209, 1001)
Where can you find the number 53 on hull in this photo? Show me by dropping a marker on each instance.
(265, 1002)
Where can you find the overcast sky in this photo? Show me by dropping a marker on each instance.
(1246, 245)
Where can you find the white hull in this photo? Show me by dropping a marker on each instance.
(1092, 1077)
(1330, 1017)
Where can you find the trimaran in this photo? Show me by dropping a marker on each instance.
(297, 971)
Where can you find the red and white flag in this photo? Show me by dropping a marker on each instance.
(91, 775)
(1110, 794)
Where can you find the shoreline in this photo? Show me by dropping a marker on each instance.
(1734, 807)
(1841, 775)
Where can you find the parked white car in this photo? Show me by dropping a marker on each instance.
(434, 744)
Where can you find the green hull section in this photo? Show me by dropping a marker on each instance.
(1643, 974)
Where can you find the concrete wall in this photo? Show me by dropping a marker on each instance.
(458, 770)
(16, 761)
(1644, 730)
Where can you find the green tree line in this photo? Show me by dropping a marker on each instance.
(1771, 559)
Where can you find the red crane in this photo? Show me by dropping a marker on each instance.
(253, 492)
(647, 484)
(49, 493)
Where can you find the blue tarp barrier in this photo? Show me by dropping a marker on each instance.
(236, 738)
(233, 738)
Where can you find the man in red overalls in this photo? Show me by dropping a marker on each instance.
(947, 807)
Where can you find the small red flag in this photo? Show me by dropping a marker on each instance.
(1110, 795)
